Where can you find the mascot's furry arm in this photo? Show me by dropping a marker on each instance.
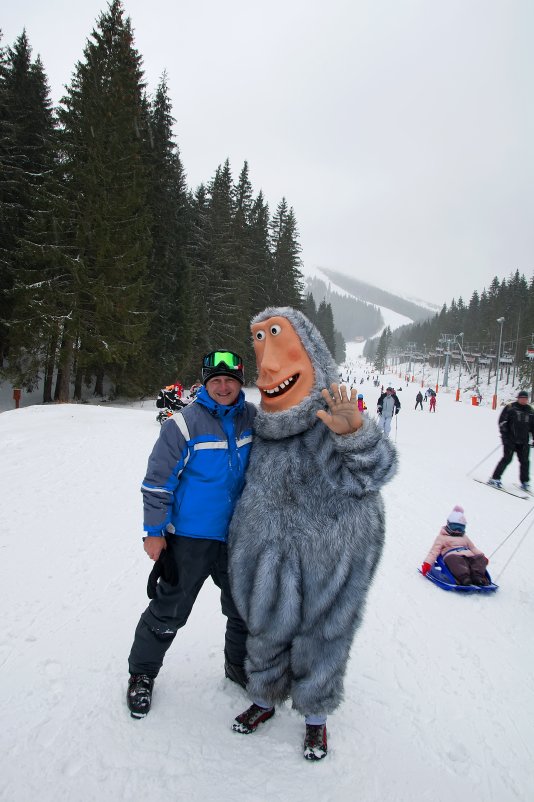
(357, 463)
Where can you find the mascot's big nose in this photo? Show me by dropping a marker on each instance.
(269, 361)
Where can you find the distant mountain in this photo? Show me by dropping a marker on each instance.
(374, 295)
(355, 319)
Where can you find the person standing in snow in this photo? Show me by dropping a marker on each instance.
(194, 478)
(387, 406)
(308, 529)
(466, 563)
(170, 397)
(419, 400)
(362, 406)
(432, 405)
(516, 425)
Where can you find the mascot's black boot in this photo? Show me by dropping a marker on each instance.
(250, 720)
(315, 742)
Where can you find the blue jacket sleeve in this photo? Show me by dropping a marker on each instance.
(165, 465)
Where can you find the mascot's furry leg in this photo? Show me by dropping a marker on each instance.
(268, 669)
(318, 667)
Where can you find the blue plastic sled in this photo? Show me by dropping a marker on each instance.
(440, 575)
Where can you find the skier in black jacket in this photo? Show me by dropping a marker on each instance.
(516, 424)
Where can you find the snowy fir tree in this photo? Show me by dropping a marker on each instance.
(107, 186)
(26, 158)
(169, 337)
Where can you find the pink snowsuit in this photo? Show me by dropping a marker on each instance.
(461, 556)
(445, 542)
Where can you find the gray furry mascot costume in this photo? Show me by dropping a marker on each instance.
(308, 530)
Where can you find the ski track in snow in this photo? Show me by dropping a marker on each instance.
(438, 697)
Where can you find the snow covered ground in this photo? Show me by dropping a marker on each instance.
(439, 690)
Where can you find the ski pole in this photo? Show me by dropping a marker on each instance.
(483, 460)
(396, 428)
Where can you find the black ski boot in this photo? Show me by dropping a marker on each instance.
(315, 742)
(235, 673)
(139, 694)
(249, 721)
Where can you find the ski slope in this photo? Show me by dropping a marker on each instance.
(439, 690)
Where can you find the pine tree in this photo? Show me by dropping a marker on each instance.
(325, 324)
(382, 350)
(199, 258)
(309, 308)
(341, 350)
(27, 299)
(244, 255)
(223, 283)
(261, 259)
(6, 158)
(287, 283)
(102, 119)
(170, 334)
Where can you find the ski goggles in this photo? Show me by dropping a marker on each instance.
(228, 358)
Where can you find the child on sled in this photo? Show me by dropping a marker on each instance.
(461, 556)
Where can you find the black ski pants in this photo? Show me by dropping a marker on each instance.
(419, 404)
(523, 451)
(196, 559)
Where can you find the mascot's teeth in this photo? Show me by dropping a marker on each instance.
(281, 387)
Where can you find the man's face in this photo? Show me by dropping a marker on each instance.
(223, 389)
(523, 401)
(285, 371)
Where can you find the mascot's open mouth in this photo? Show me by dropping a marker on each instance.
(281, 388)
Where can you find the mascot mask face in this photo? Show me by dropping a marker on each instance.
(285, 371)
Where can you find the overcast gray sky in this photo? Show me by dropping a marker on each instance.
(401, 131)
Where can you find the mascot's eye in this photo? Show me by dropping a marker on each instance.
(260, 335)
(276, 329)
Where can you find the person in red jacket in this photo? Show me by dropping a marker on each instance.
(466, 563)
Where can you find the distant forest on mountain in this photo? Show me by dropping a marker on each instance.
(353, 318)
(374, 295)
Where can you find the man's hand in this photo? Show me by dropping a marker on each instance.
(154, 546)
(344, 416)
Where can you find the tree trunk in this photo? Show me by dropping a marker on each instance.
(99, 382)
(66, 359)
(49, 366)
(78, 384)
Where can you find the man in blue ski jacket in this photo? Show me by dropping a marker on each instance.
(195, 476)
